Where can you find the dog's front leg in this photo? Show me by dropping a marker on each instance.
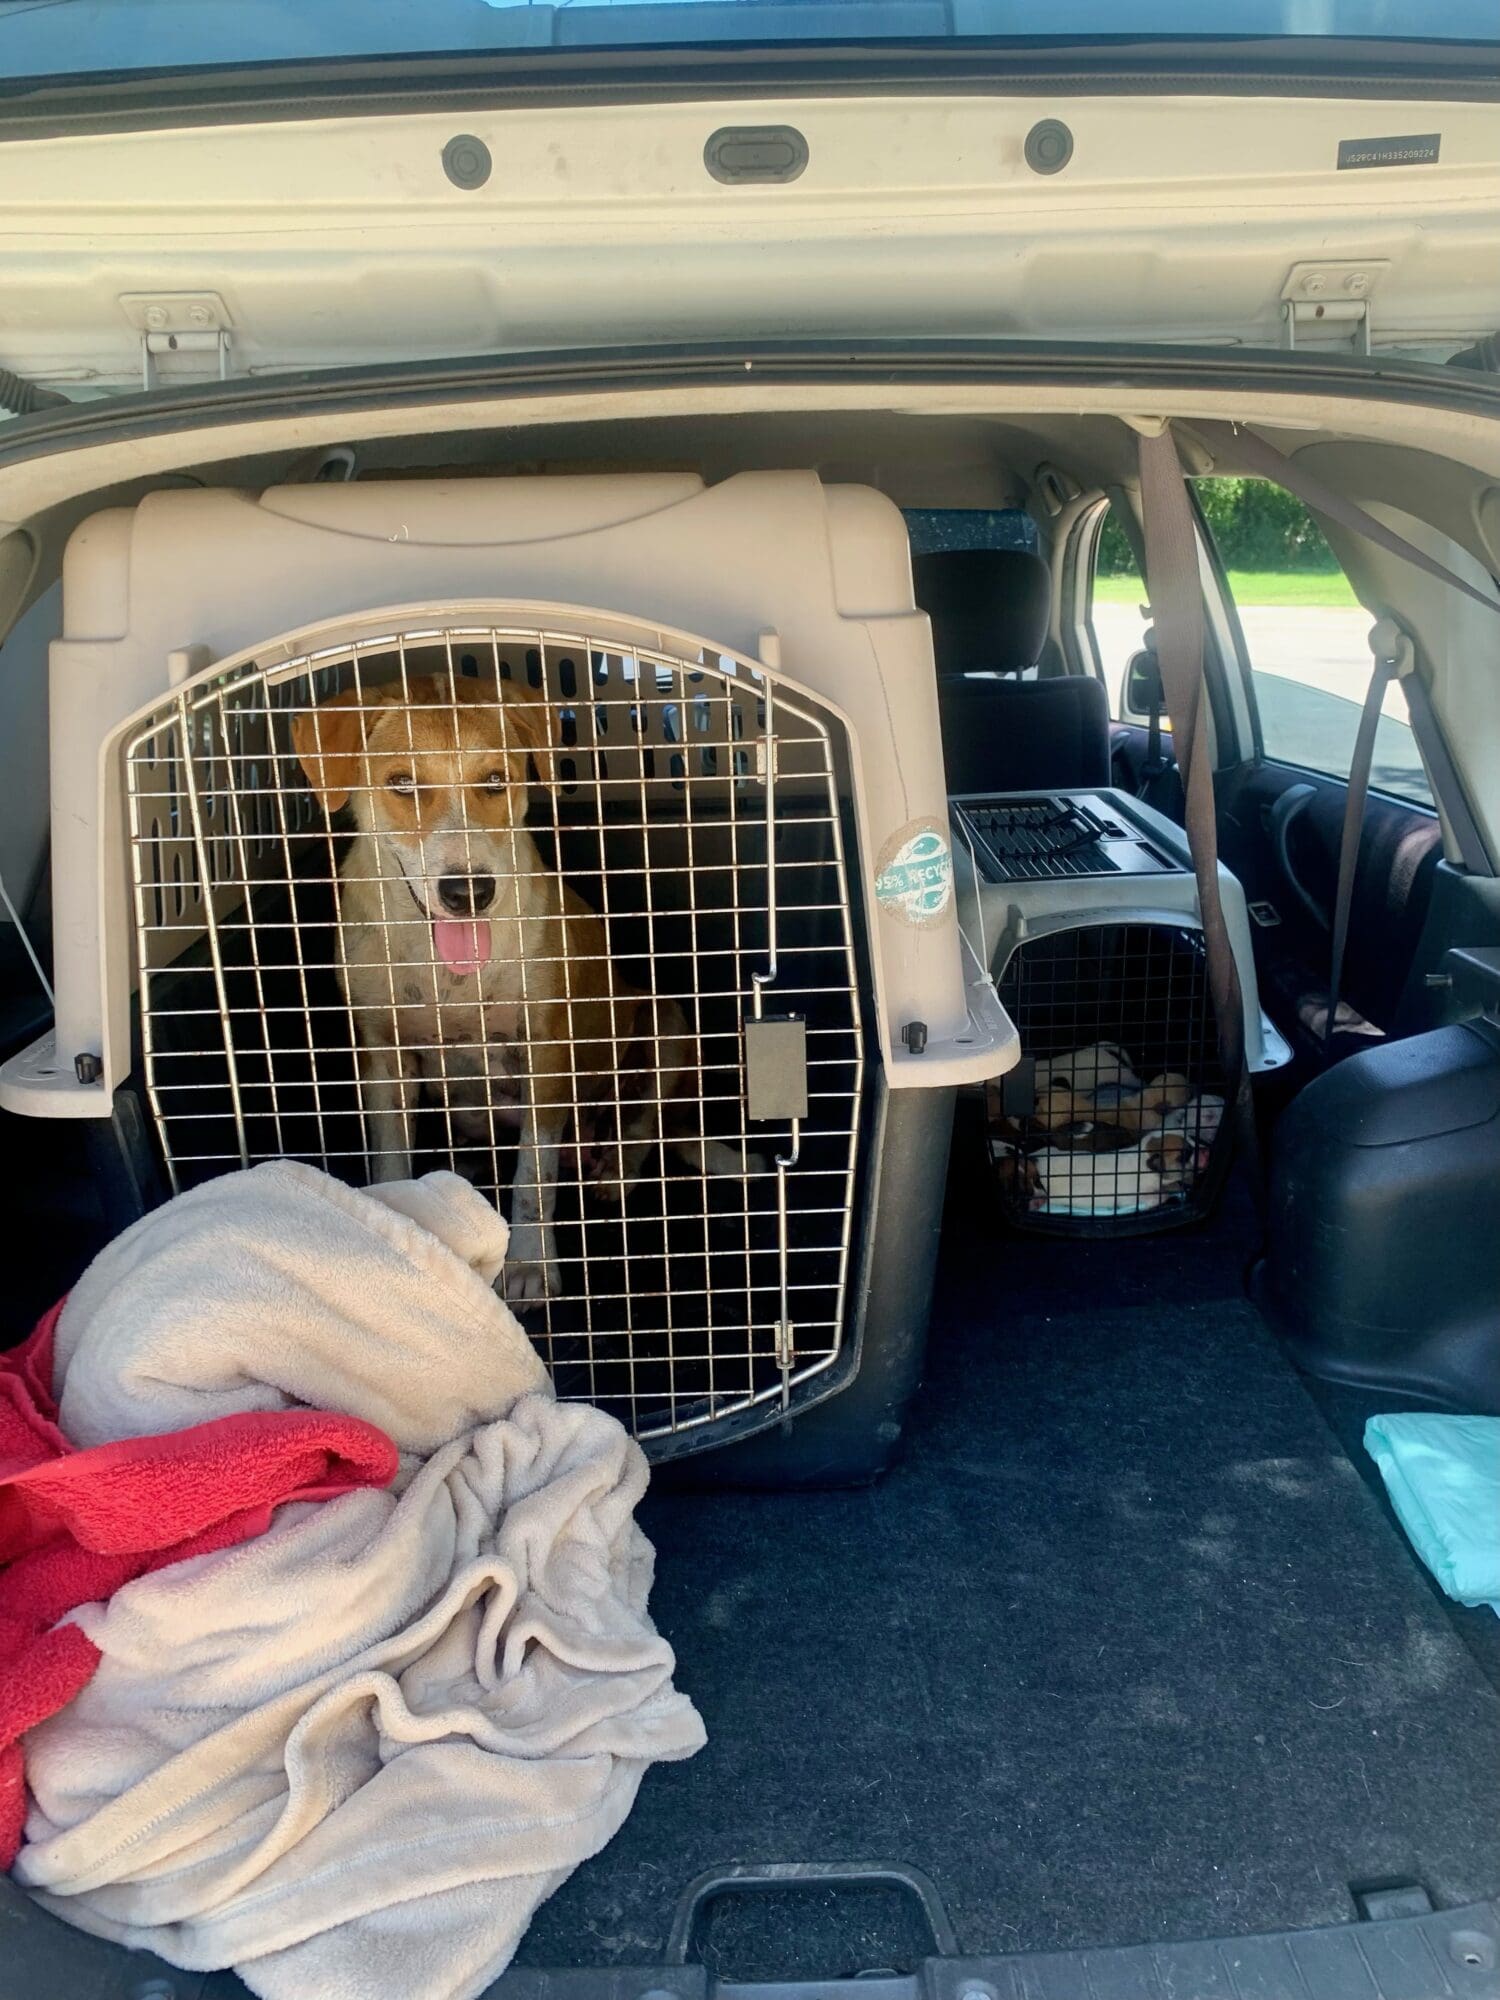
(390, 1084)
(530, 1273)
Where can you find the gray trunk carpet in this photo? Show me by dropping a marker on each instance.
(1123, 1650)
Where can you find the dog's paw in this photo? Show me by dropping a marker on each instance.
(530, 1274)
(526, 1284)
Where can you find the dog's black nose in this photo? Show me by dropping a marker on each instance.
(466, 895)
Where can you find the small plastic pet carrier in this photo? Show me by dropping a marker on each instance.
(1113, 1122)
(377, 845)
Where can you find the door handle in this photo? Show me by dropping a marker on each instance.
(1289, 807)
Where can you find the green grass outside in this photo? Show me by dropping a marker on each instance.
(1320, 589)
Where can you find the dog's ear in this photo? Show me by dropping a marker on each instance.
(330, 739)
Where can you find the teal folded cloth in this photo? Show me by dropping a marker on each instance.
(1443, 1477)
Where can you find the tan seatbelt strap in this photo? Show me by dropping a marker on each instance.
(1175, 587)
(1349, 841)
(1246, 449)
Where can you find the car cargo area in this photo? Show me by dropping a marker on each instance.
(1123, 1649)
(1013, 1526)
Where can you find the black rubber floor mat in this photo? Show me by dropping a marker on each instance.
(1122, 1651)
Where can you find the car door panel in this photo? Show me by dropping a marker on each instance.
(1280, 831)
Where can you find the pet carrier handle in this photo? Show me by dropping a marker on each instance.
(751, 1880)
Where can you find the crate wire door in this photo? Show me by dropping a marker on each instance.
(695, 808)
(1123, 1130)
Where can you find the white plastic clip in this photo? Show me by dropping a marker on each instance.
(1391, 642)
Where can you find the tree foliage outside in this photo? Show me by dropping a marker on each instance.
(1255, 526)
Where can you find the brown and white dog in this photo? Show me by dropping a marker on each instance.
(473, 971)
(1134, 1178)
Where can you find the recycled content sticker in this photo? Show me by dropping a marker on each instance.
(914, 874)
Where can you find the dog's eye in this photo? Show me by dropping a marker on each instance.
(403, 782)
(492, 781)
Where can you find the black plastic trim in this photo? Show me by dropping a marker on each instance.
(741, 1879)
(1473, 975)
(1451, 1953)
(1123, 65)
(771, 364)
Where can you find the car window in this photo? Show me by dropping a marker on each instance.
(935, 530)
(1307, 637)
(1116, 610)
(96, 37)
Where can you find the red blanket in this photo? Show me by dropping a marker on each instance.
(76, 1525)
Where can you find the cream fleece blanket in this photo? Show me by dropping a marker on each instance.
(350, 1758)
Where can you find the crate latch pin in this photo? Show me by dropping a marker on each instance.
(786, 1353)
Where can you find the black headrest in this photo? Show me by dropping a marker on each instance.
(989, 608)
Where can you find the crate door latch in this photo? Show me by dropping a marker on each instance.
(776, 1087)
(776, 1067)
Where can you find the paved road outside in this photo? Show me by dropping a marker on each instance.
(1312, 667)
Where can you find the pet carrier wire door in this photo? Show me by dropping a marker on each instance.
(517, 902)
(1086, 905)
(1116, 1120)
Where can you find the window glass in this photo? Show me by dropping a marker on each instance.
(935, 530)
(1306, 637)
(1116, 611)
(94, 37)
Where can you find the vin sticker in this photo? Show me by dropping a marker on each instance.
(1418, 149)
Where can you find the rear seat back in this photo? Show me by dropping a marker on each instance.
(989, 613)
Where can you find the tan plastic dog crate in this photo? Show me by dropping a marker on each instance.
(585, 835)
(1085, 905)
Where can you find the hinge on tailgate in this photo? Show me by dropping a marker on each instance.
(181, 325)
(1331, 297)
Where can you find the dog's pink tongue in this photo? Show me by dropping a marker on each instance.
(463, 946)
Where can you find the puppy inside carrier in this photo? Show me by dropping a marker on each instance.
(605, 917)
(1115, 1119)
(401, 961)
(398, 958)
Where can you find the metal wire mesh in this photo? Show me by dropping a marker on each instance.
(1117, 1122)
(502, 901)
